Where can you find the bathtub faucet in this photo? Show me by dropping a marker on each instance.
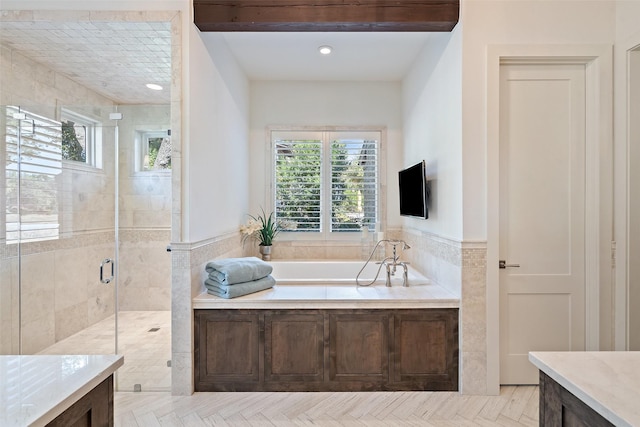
(392, 262)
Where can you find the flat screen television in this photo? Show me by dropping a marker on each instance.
(414, 191)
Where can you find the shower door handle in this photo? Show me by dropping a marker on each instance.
(102, 264)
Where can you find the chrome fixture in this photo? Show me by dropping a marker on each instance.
(503, 264)
(391, 263)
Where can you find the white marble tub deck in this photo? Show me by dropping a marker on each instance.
(608, 382)
(317, 293)
(36, 389)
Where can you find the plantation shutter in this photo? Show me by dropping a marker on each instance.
(326, 182)
(354, 172)
(298, 185)
(32, 196)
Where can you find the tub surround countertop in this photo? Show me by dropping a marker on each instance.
(608, 382)
(36, 389)
(326, 296)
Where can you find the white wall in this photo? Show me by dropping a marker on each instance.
(531, 22)
(627, 13)
(432, 114)
(324, 104)
(216, 170)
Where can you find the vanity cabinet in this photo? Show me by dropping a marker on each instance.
(326, 350)
(559, 407)
(94, 409)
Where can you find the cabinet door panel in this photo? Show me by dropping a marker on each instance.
(294, 347)
(227, 350)
(358, 347)
(425, 349)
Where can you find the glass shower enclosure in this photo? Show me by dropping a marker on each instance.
(84, 223)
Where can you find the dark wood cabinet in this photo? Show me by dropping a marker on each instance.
(559, 407)
(326, 350)
(358, 348)
(227, 349)
(94, 409)
(425, 355)
(293, 347)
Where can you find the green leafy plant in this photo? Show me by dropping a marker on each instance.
(262, 228)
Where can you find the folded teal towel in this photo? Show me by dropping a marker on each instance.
(239, 289)
(229, 271)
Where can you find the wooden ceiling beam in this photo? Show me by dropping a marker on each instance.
(326, 15)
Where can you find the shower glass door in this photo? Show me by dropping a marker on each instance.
(58, 228)
(86, 219)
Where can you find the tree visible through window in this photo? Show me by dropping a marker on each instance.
(298, 183)
(72, 148)
(81, 139)
(159, 153)
(327, 182)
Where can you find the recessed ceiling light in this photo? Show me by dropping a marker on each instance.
(154, 86)
(325, 50)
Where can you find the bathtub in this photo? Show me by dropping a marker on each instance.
(339, 273)
(332, 284)
(305, 330)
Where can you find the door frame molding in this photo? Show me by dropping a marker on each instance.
(598, 61)
(622, 169)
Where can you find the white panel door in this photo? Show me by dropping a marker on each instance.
(542, 214)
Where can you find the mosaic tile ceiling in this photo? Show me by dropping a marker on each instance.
(116, 59)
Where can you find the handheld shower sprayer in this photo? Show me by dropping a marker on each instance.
(390, 262)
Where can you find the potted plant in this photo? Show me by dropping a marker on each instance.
(264, 229)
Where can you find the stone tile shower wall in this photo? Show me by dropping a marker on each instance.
(461, 267)
(61, 293)
(145, 216)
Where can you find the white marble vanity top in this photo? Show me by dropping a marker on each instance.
(36, 389)
(321, 296)
(608, 382)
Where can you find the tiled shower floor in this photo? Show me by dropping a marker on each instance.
(147, 351)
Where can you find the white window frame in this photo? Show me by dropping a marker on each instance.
(142, 149)
(93, 140)
(326, 234)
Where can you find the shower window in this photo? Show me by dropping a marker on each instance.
(154, 150)
(80, 138)
(326, 183)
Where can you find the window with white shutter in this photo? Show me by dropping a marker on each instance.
(326, 182)
(32, 197)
